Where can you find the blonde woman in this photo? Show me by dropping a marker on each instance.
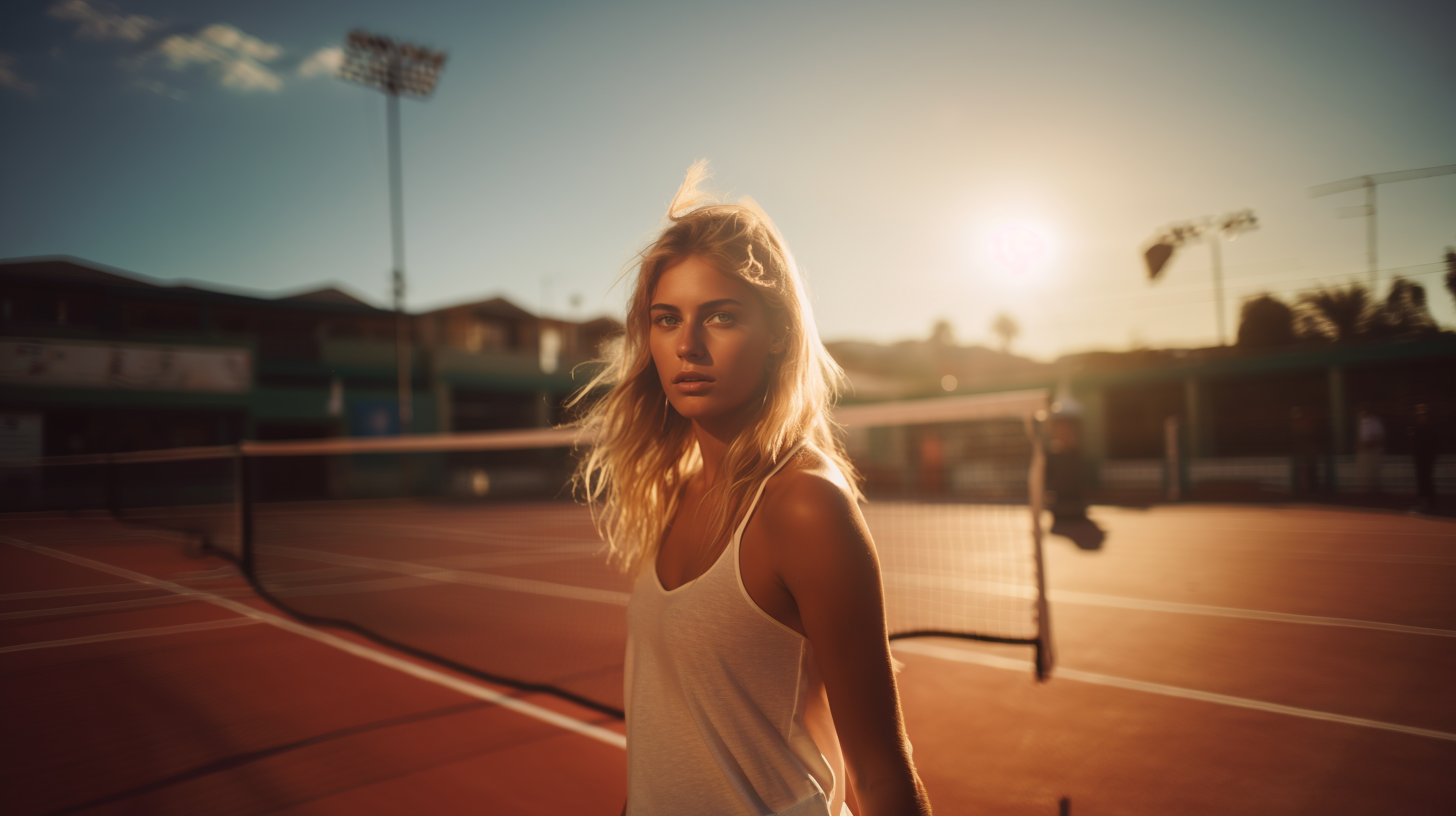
(758, 674)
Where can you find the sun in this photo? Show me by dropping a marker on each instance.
(1021, 248)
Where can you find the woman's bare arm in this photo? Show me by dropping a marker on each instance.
(823, 554)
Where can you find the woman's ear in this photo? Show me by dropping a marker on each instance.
(779, 342)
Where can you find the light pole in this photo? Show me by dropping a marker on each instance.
(396, 68)
(1215, 231)
(1369, 183)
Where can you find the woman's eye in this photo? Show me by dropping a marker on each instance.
(721, 319)
(667, 320)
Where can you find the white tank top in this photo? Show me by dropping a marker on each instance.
(716, 693)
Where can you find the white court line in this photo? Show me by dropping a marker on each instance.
(101, 589)
(1361, 531)
(921, 581)
(110, 606)
(901, 579)
(132, 633)
(481, 579)
(1118, 602)
(466, 687)
(997, 662)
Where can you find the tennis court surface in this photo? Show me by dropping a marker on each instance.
(1210, 659)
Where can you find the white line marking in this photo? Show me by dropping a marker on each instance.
(466, 687)
(1118, 602)
(1360, 531)
(914, 580)
(132, 633)
(901, 579)
(480, 579)
(996, 662)
(102, 589)
(110, 606)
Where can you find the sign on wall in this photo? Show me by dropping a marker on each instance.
(20, 436)
(78, 364)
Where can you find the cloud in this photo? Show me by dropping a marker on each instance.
(323, 62)
(163, 89)
(9, 79)
(234, 56)
(102, 25)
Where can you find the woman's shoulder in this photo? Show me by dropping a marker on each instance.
(810, 494)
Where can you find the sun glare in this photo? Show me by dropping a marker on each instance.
(1020, 247)
(1012, 256)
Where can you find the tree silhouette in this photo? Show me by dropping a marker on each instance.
(1006, 328)
(1404, 312)
(1339, 314)
(1451, 271)
(942, 333)
(1266, 321)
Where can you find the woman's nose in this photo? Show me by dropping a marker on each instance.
(690, 343)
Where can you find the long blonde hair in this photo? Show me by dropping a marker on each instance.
(643, 452)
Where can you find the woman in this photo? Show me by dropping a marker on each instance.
(719, 485)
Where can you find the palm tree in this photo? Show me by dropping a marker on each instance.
(1339, 314)
(1006, 328)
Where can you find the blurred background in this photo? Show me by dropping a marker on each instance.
(968, 188)
(358, 256)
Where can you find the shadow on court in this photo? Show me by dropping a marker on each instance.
(1082, 532)
(1219, 659)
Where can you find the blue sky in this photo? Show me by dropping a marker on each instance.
(188, 141)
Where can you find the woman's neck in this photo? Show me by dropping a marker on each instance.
(716, 434)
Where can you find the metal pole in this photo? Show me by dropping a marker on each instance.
(396, 213)
(1046, 657)
(1214, 242)
(1370, 236)
(1172, 459)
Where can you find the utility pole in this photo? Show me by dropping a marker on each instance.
(394, 68)
(1369, 183)
(1215, 231)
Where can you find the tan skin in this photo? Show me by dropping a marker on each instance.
(806, 557)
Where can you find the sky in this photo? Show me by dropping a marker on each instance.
(924, 161)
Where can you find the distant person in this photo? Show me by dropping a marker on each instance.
(1425, 443)
(1306, 451)
(1369, 446)
(721, 487)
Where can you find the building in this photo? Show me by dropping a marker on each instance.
(1215, 423)
(94, 360)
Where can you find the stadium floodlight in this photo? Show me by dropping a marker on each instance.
(1215, 231)
(395, 68)
(1368, 184)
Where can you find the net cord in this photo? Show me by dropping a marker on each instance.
(1028, 404)
(245, 564)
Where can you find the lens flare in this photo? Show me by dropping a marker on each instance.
(1020, 246)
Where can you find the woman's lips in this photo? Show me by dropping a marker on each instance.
(693, 386)
(691, 382)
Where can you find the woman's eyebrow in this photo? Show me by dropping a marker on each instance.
(712, 304)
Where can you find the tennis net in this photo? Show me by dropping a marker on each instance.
(468, 549)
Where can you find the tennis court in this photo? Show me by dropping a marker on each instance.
(1211, 659)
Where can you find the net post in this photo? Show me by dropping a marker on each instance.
(1036, 489)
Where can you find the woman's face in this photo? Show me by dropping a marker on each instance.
(711, 341)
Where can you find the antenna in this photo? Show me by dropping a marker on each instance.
(1368, 184)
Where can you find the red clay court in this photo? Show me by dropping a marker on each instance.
(1211, 659)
